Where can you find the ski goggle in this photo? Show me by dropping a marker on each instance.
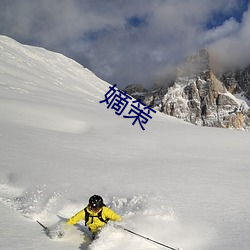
(94, 208)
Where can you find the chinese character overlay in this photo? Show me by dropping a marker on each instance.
(140, 115)
(119, 100)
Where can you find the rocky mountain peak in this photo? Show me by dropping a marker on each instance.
(201, 97)
(194, 65)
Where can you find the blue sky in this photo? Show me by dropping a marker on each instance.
(131, 41)
(218, 17)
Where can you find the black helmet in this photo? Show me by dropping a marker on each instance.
(96, 202)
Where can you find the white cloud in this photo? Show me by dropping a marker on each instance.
(97, 32)
(228, 28)
(233, 50)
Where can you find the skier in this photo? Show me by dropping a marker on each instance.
(95, 214)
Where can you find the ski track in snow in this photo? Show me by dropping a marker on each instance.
(145, 214)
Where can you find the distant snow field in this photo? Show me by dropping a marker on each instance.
(182, 185)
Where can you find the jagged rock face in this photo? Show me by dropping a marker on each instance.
(237, 81)
(205, 102)
(199, 97)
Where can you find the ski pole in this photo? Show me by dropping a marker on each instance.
(45, 228)
(146, 238)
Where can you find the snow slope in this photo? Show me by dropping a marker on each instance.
(176, 183)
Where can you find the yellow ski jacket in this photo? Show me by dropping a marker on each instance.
(94, 223)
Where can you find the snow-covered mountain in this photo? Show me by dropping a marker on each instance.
(201, 96)
(183, 185)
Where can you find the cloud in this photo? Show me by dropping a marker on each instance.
(121, 41)
(233, 49)
(228, 28)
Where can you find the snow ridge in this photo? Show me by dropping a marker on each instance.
(188, 187)
(145, 214)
